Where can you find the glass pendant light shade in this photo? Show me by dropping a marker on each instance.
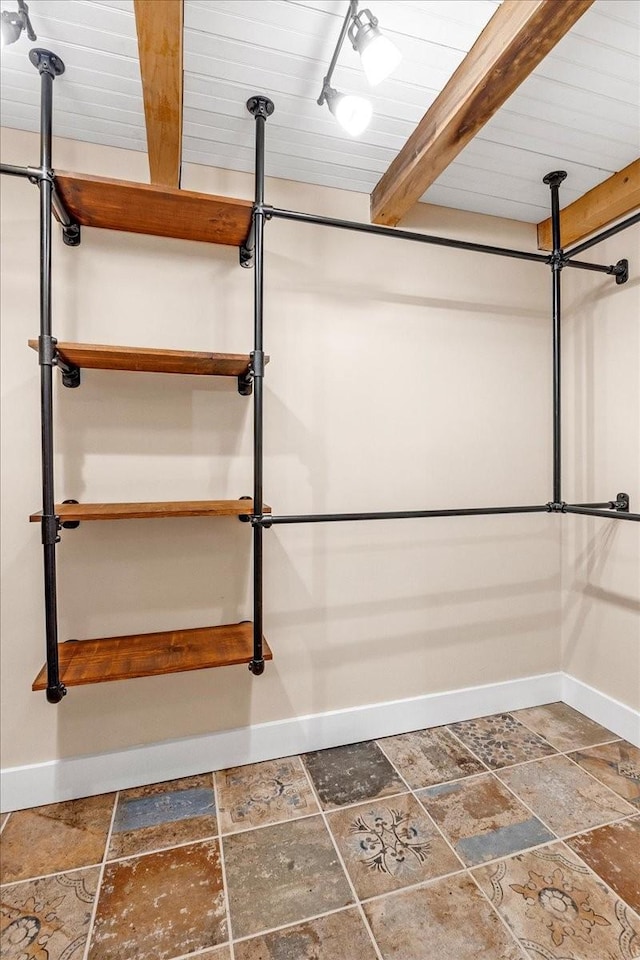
(352, 113)
(379, 57)
(378, 54)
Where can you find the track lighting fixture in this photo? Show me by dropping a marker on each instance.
(379, 58)
(12, 23)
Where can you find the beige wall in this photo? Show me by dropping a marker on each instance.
(401, 376)
(601, 559)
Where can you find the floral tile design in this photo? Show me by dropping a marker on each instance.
(428, 757)
(48, 919)
(501, 741)
(615, 764)
(448, 919)
(340, 936)
(262, 793)
(161, 905)
(558, 909)
(352, 774)
(614, 853)
(563, 727)
(389, 844)
(482, 820)
(564, 796)
(55, 838)
(282, 874)
(162, 815)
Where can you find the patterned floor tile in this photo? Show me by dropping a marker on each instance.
(563, 727)
(446, 919)
(48, 919)
(337, 937)
(262, 793)
(55, 838)
(389, 844)
(501, 741)
(161, 905)
(282, 874)
(617, 765)
(564, 796)
(614, 853)
(352, 774)
(558, 909)
(482, 820)
(162, 815)
(428, 757)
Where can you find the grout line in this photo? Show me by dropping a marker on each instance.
(46, 876)
(600, 743)
(415, 886)
(225, 887)
(429, 817)
(502, 919)
(94, 909)
(5, 821)
(290, 926)
(175, 846)
(600, 783)
(356, 898)
(599, 826)
(526, 805)
(600, 879)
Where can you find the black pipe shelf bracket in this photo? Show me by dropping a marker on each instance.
(261, 108)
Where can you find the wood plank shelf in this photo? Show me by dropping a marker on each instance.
(157, 210)
(100, 356)
(70, 512)
(152, 654)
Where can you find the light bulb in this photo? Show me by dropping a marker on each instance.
(379, 56)
(352, 113)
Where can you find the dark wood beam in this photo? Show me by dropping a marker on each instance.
(159, 26)
(518, 36)
(610, 200)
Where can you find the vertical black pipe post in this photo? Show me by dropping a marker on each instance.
(554, 180)
(260, 108)
(49, 67)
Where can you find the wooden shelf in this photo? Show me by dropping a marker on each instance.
(100, 356)
(152, 654)
(158, 509)
(161, 211)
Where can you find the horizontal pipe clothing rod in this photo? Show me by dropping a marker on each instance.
(13, 171)
(403, 234)
(591, 512)
(399, 514)
(599, 237)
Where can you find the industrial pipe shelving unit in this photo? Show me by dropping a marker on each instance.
(250, 378)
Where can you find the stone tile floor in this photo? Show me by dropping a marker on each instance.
(512, 837)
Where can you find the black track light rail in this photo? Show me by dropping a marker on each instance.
(252, 255)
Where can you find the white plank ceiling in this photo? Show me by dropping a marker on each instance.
(580, 110)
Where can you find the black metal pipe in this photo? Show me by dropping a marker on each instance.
(604, 235)
(261, 108)
(268, 520)
(13, 171)
(595, 267)
(554, 180)
(49, 67)
(404, 234)
(594, 512)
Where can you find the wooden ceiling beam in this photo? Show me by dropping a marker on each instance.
(610, 200)
(159, 26)
(518, 36)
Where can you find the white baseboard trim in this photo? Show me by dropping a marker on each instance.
(68, 779)
(605, 710)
